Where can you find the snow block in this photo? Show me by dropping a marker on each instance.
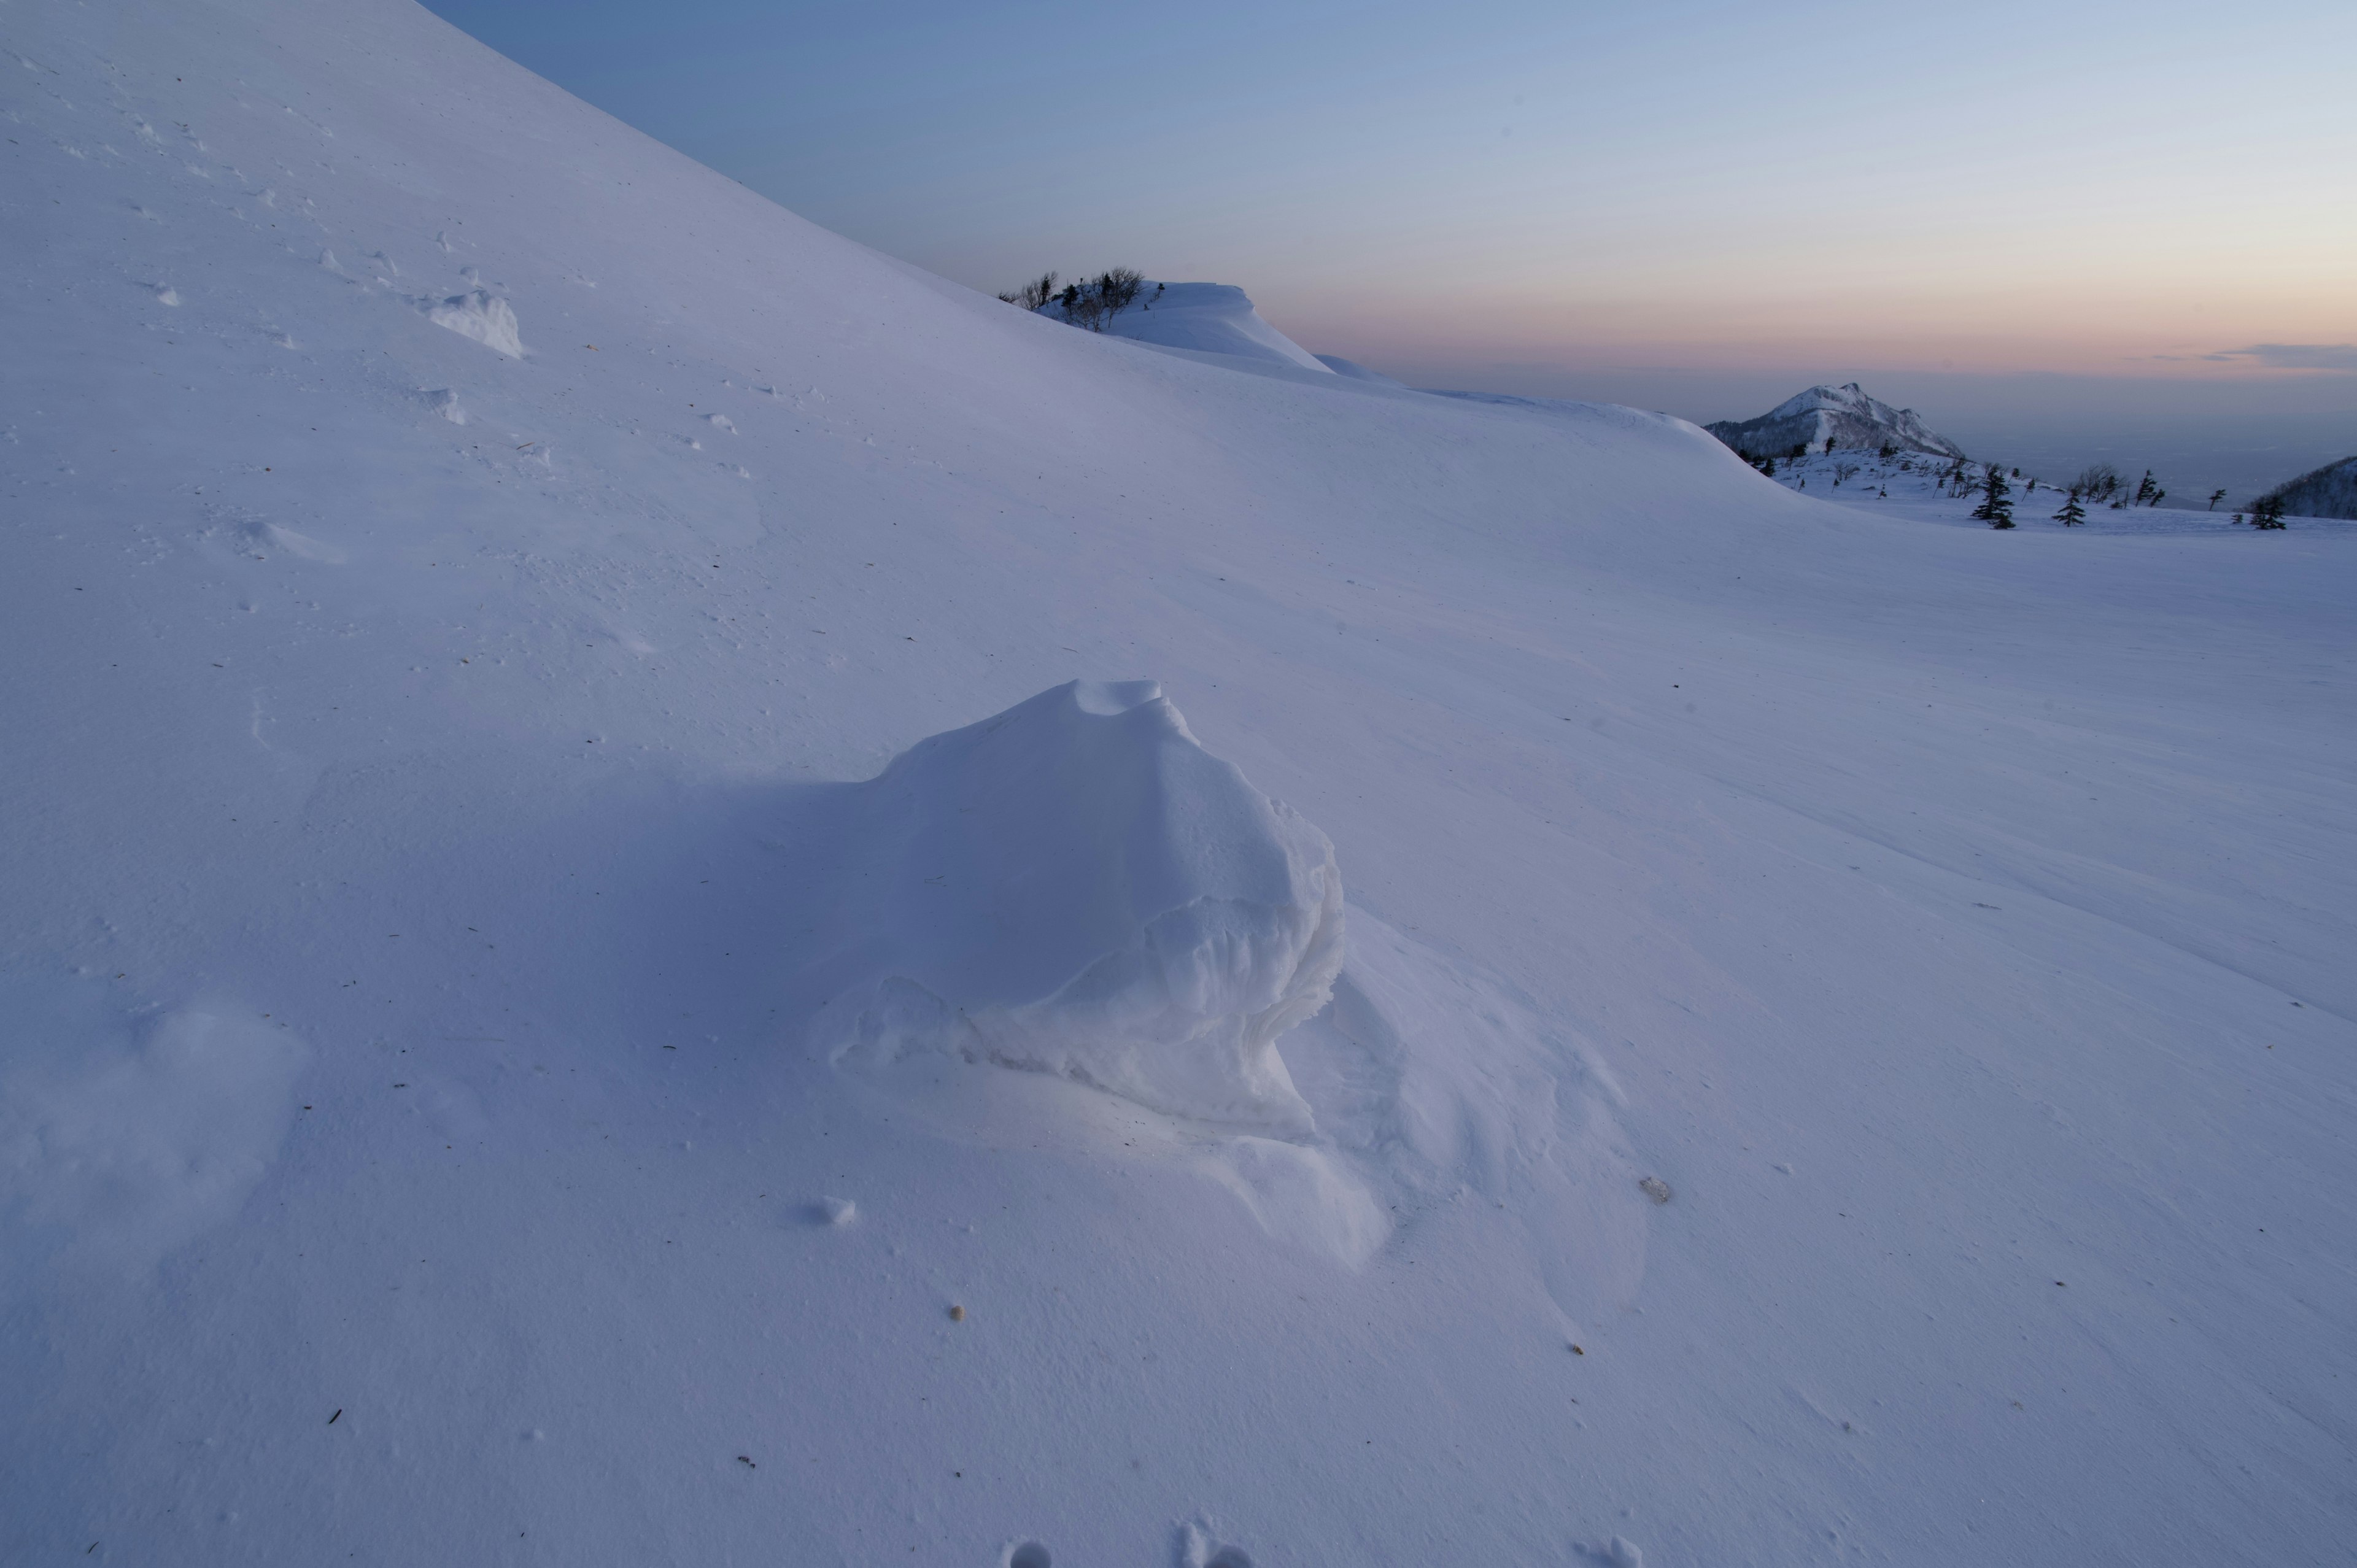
(483, 316)
(1077, 887)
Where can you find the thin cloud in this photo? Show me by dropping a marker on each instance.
(2296, 356)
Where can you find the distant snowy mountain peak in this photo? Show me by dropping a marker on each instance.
(1846, 415)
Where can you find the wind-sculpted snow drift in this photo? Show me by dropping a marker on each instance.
(1078, 887)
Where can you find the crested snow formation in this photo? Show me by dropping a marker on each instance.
(2328, 491)
(486, 318)
(1207, 319)
(1077, 890)
(1845, 414)
(1076, 886)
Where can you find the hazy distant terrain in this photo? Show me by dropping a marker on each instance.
(2242, 436)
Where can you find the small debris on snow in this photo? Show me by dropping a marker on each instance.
(1654, 1187)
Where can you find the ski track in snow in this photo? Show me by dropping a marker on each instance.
(1840, 1043)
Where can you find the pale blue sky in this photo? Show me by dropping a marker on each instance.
(1691, 196)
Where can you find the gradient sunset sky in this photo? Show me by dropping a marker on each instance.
(1703, 201)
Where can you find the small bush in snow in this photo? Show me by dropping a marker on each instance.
(1035, 294)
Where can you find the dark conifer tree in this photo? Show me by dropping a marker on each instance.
(2072, 512)
(1996, 503)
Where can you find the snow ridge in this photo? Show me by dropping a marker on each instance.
(1207, 318)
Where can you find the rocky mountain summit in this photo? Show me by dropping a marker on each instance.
(1844, 414)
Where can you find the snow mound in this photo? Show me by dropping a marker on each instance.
(1077, 887)
(1844, 413)
(116, 1147)
(1208, 318)
(481, 316)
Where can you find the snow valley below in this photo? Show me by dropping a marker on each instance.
(679, 895)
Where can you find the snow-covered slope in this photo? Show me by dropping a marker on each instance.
(1840, 1043)
(2328, 491)
(1845, 415)
(1207, 318)
(1930, 490)
(1353, 371)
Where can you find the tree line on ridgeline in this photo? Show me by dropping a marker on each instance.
(2098, 483)
(1087, 303)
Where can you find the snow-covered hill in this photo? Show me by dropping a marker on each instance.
(2328, 491)
(1206, 318)
(610, 958)
(1844, 414)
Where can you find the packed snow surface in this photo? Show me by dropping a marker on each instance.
(1845, 415)
(1840, 1037)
